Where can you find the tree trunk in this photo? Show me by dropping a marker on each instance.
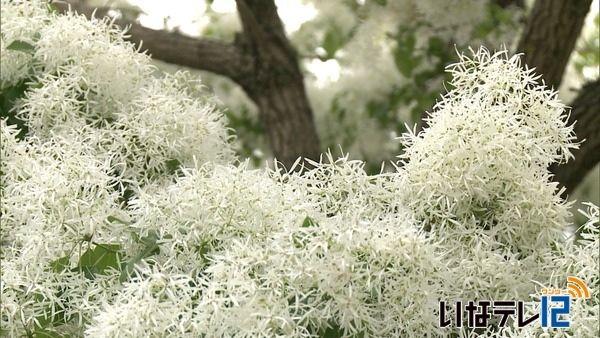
(585, 113)
(276, 84)
(550, 34)
(547, 42)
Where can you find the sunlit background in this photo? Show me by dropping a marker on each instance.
(186, 16)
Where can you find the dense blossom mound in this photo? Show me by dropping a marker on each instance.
(125, 212)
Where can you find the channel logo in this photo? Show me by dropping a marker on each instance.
(554, 311)
(550, 315)
(576, 288)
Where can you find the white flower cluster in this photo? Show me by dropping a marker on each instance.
(214, 249)
(83, 78)
(249, 255)
(478, 177)
(483, 159)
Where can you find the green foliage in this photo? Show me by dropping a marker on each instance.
(95, 260)
(113, 219)
(53, 315)
(405, 55)
(60, 264)
(333, 41)
(9, 98)
(418, 92)
(246, 126)
(497, 19)
(418, 89)
(331, 332)
(45, 333)
(308, 222)
(21, 46)
(52, 9)
(11, 95)
(150, 246)
(101, 258)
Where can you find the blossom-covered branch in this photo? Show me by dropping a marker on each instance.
(261, 61)
(172, 47)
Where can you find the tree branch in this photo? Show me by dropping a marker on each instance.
(206, 54)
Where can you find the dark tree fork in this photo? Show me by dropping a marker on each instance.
(264, 64)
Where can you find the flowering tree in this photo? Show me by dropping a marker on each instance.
(125, 212)
(390, 55)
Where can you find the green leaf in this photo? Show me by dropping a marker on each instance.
(380, 2)
(480, 213)
(100, 258)
(308, 222)
(406, 64)
(151, 248)
(151, 238)
(53, 9)
(408, 42)
(204, 251)
(206, 248)
(10, 95)
(53, 314)
(334, 40)
(404, 57)
(379, 110)
(334, 331)
(173, 165)
(21, 46)
(89, 272)
(60, 264)
(130, 266)
(437, 47)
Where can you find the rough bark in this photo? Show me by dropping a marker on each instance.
(585, 112)
(550, 34)
(261, 61)
(547, 42)
(276, 85)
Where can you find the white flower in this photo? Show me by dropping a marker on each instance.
(483, 159)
